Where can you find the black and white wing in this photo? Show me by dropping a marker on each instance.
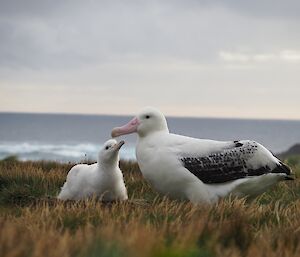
(242, 159)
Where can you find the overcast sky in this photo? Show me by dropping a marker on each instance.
(223, 58)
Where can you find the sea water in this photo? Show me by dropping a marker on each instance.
(75, 138)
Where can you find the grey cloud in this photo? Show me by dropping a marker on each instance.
(36, 8)
(124, 43)
(132, 49)
(72, 34)
(31, 8)
(265, 8)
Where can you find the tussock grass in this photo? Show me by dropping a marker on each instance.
(34, 223)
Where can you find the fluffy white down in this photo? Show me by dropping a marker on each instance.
(103, 179)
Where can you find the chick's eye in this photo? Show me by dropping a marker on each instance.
(147, 116)
(107, 147)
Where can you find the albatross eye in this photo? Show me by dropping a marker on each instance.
(147, 116)
(107, 147)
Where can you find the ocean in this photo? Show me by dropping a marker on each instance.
(77, 138)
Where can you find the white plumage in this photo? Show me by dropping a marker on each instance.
(103, 179)
(200, 170)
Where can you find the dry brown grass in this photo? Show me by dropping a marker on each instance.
(33, 223)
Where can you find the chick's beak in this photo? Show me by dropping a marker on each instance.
(119, 145)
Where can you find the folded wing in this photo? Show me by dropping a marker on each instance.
(240, 160)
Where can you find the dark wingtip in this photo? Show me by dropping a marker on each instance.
(282, 168)
(286, 168)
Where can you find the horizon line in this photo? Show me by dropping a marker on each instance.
(168, 116)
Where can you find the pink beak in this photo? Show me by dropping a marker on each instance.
(129, 128)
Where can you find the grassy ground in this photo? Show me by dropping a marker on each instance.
(33, 223)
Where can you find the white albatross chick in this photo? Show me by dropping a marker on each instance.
(200, 170)
(103, 179)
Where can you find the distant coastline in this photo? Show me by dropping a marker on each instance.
(292, 151)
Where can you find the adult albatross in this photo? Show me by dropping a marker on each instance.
(200, 170)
